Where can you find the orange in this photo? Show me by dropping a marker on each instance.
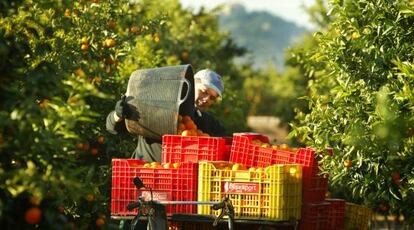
(181, 126)
(186, 118)
(284, 146)
(176, 165)
(67, 13)
(146, 165)
(275, 147)
(85, 146)
(186, 133)
(236, 167)
(85, 47)
(134, 29)
(85, 40)
(99, 222)
(199, 132)
(155, 165)
(90, 197)
(109, 42)
(79, 146)
(61, 209)
(167, 166)
(101, 139)
(265, 145)
(79, 72)
(33, 215)
(94, 151)
(348, 163)
(190, 125)
(112, 24)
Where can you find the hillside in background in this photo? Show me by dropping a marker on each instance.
(266, 36)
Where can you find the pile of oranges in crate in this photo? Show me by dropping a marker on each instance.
(262, 144)
(158, 165)
(187, 127)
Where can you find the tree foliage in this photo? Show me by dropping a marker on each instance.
(63, 65)
(361, 102)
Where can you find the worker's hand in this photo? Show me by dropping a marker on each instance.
(122, 110)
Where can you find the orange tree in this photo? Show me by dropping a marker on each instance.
(62, 66)
(361, 101)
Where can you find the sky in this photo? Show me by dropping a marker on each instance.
(290, 10)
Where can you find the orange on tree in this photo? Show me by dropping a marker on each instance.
(33, 215)
(67, 13)
(90, 197)
(348, 163)
(79, 72)
(85, 40)
(112, 24)
(85, 146)
(101, 139)
(99, 222)
(85, 47)
(134, 29)
(94, 151)
(109, 42)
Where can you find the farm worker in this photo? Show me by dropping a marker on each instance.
(208, 87)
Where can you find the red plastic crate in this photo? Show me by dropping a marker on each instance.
(336, 213)
(315, 216)
(176, 148)
(314, 189)
(168, 184)
(243, 151)
(314, 186)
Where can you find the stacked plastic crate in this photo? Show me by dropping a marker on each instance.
(315, 209)
(357, 216)
(173, 179)
(258, 190)
(168, 182)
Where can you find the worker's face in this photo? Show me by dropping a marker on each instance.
(205, 97)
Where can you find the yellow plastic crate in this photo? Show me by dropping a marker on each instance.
(357, 217)
(271, 193)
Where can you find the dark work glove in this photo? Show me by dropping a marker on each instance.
(122, 110)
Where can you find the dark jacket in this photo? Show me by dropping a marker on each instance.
(150, 149)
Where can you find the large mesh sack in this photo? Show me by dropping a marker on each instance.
(156, 97)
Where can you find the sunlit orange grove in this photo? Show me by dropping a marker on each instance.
(346, 85)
